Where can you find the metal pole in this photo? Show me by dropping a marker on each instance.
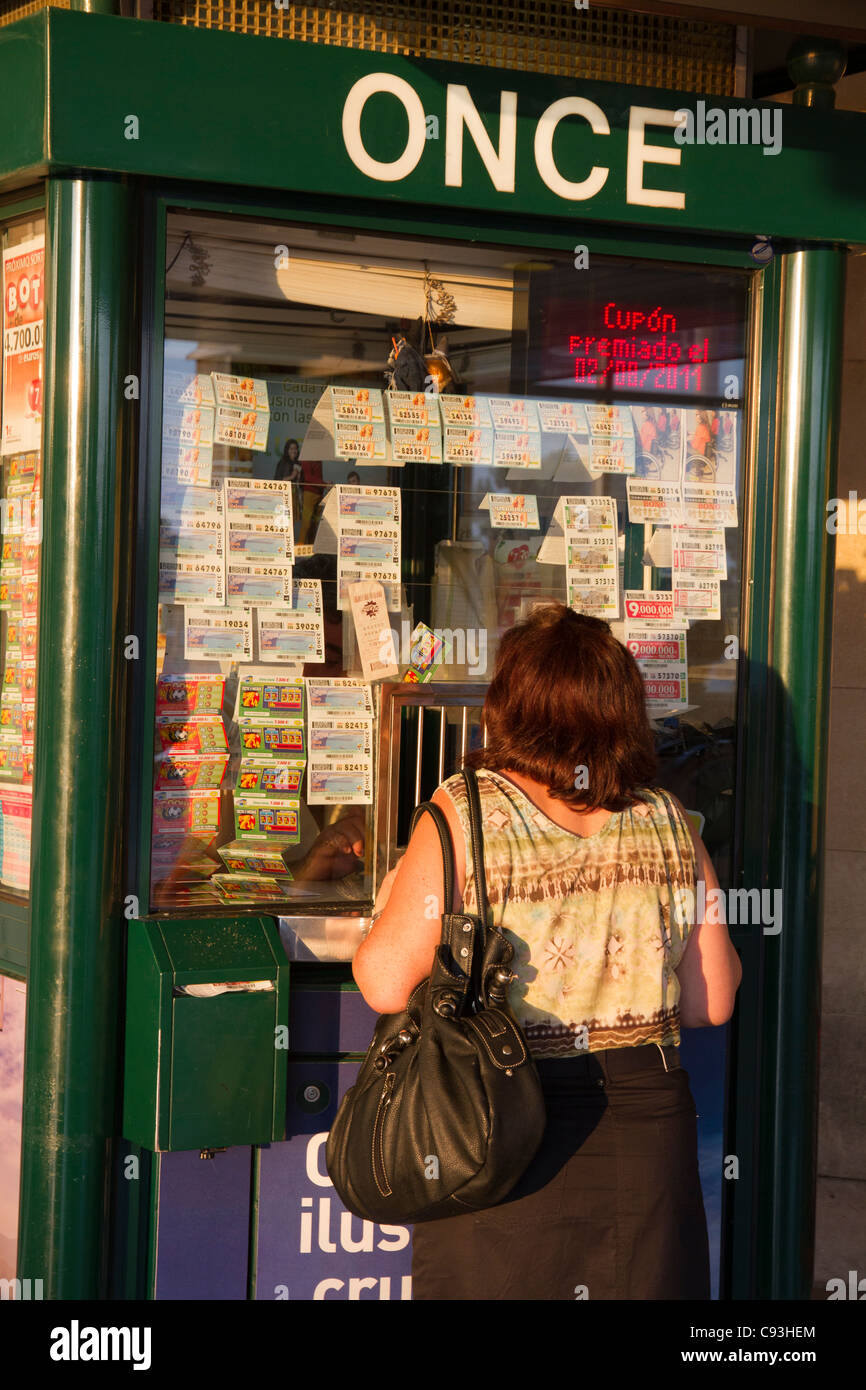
(73, 998)
(96, 6)
(813, 287)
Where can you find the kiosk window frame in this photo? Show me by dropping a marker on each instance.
(547, 234)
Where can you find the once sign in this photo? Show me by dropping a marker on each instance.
(461, 116)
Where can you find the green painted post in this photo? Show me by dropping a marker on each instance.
(809, 382)
(635, 545)
(74, 1002)
(813, 284)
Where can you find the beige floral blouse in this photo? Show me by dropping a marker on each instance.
(598, 922)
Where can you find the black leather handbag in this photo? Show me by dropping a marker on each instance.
(447, 1112)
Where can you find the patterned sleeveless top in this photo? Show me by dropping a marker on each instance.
(598, 922)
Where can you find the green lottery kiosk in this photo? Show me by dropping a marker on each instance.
(581, 298)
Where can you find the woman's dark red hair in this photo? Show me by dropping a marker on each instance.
(566, 694)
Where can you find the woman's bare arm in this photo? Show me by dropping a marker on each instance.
(710, 971)
(398, 952)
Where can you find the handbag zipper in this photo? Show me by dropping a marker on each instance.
(379, 1173)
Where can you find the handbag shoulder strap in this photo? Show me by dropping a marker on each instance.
(458, 971)
(491, 964)
(474, 802)
(445, 841)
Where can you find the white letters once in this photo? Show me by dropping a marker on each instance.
(544, 133)
(640, 153)
(500, 164)
(352, 110)
(461, 110)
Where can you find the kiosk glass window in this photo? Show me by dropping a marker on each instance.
(463, 431)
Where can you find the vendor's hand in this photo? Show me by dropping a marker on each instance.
(336, 850)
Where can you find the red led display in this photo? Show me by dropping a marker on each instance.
(637, 348)
(635, 331)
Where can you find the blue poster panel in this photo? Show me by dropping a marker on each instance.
(309, 1247)
(203, 1225)
(704, 1054)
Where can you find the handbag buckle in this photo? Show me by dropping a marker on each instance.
(498, 986)
(391, 1046)
(446, 1006)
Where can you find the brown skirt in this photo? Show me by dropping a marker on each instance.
(610, 1207)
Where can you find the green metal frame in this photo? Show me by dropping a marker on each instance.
(810, 371)
(509, 229)
(783, 730)
(18, 204)
(74, 1008)
(14, 935)
(134, 1223)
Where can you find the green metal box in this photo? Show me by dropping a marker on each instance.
(206, 1069)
